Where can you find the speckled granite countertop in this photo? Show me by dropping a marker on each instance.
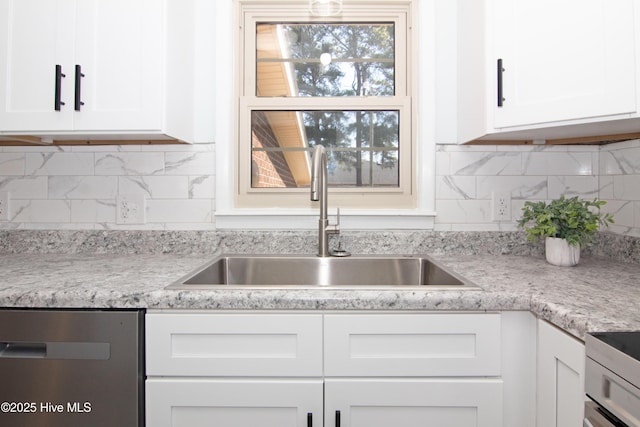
(598, 294)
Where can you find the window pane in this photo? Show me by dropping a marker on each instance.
(362, 147)
(346, 59)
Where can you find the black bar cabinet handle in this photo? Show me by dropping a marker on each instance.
(500, 92)
(58, 91)
(79, 76)
(309, 419)
(337, 418)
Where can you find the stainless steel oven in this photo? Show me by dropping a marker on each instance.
(612, 379)
(71, 368)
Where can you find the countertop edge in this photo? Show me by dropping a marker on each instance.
(562, 296)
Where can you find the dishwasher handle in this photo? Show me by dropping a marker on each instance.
(55, 350)
(23, 350)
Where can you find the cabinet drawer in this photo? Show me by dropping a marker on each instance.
(412, 345)
(469, 402)
(233, 345)
(182, 402)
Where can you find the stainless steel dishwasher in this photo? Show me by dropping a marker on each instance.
(71, 368)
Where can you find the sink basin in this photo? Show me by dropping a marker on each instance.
(309, 271)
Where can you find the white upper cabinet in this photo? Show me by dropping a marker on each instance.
(563, 60)
(119, 45)
(99, 68)
(543, 64)
(30, 48)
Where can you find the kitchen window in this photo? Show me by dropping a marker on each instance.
(344, 82)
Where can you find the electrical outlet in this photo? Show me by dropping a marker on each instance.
(501, 206)
(5, 214)
(130, 209)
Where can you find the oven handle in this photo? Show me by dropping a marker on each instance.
(593, 418)
(601, 422)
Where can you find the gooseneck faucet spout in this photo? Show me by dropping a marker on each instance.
(319, 193)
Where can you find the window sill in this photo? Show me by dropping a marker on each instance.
(352, 219)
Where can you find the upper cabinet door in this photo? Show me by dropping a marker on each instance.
(562, 60)
(119, 47)
(35, 36)
(101, 60)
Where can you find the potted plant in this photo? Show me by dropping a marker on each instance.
(566, 224)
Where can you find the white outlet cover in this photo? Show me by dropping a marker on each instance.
(130, 209)
(501, 206)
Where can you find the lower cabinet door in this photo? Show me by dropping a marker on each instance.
(414, 345)
(561, 360)
(233, 403)
(413, 403)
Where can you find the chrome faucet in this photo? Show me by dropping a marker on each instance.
(319, 193)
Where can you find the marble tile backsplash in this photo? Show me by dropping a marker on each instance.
(76, 187)
(467, 176)
(620, 185)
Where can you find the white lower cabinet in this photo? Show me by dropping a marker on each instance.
(234, 345)
(412, 370)
(417, 345)
(233, 370)
(333, 370)
(413, 402)
(560, 384)
(205, 402)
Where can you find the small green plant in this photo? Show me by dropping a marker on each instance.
(572, 219)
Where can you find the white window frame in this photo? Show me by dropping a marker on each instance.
(409, 207)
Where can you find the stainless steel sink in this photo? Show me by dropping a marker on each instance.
(300, 271)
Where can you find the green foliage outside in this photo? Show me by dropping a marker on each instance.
(363, 65)
(572, 219)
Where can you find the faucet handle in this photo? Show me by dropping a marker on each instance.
(334, 228)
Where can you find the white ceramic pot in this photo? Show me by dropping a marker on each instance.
(560, 252)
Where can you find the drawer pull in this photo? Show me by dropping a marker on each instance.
(309, 419)
(78, 82)
(337, 418)
(58, 88)
(500, 82)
